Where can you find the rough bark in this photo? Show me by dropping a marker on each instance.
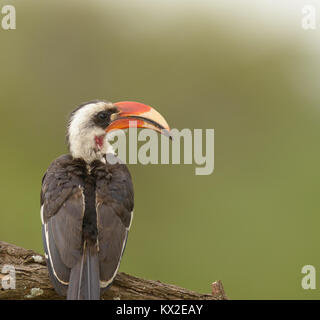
(32, 281)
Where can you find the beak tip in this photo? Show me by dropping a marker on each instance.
(167, 133)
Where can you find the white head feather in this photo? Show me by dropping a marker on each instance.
(81, 133)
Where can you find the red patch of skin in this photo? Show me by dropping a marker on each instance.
(99, 141)
(131, 107)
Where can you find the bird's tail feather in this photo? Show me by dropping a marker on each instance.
(84, 282)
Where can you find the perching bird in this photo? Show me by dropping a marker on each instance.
(87, 203)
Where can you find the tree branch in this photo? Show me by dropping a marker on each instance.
(32, 281)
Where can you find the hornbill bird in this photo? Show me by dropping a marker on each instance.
(87, 202)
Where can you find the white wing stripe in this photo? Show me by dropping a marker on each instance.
(104, 284)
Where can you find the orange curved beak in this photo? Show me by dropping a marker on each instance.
(138, 115)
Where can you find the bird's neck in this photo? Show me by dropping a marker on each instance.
(88, 151)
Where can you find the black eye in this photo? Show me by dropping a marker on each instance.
(102, 115)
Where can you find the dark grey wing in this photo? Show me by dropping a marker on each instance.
(114, 206)
(62, 208)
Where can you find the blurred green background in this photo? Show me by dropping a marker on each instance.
(247, 70)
